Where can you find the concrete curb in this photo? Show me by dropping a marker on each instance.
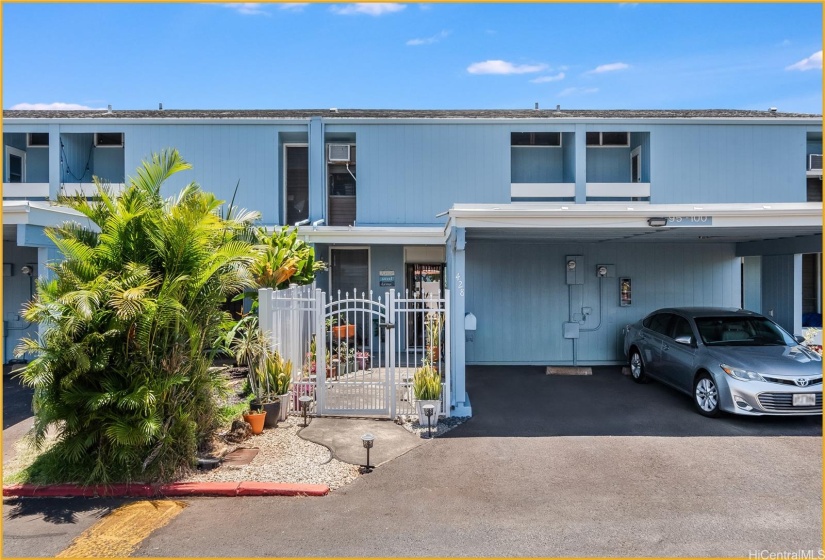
(175, 489)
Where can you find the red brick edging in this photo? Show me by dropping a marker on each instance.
(175, 489)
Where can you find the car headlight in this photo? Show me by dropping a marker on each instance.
(741, 374)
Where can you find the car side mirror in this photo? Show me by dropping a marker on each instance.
(799, 338)
(684, 339)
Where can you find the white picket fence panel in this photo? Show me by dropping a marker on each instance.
(356, 354)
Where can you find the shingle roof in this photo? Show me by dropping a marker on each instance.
(403, 114)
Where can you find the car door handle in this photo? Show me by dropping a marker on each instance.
(665, 347)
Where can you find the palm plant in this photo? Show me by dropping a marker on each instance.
(121, 368)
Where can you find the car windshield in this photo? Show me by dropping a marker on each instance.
(742, 331)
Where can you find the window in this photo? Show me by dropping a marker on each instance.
(608, 139)
(15, 166)
(37, 140)
(349, 270)
(296, 183)
(658, 323)
(535, 138)
(108, 139)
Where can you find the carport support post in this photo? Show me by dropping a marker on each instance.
(456, 268)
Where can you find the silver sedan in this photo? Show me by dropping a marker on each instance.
(727, 360)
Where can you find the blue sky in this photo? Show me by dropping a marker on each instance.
(413, 56)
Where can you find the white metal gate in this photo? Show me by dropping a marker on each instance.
(353, 355)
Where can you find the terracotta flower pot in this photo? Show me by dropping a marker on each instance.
(343, 331)
(256, 421)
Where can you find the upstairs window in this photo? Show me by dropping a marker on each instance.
(37, 140)
(108, 139)
(608, 139)
(535, 139)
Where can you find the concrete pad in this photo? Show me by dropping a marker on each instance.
(556, 370)
(343, 437)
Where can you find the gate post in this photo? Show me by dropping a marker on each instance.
(389, 370)
(448, 366)
(320, 351)
(265, 314)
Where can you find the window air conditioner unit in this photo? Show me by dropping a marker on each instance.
(815, 162)
(338, 153)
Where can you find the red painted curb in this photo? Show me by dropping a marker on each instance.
(175, 489)
(199, 489)
(281, 489)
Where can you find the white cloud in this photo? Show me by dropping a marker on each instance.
(503, 67)
(372, 9)
(612, 67)
(628, 4)
(57, 106)
(248, 8)
(813, 62)
(293, 6)
(577, 91)
(428, 40)
(546, 79)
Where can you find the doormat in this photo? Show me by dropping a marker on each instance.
(554, 370)
(240, 457)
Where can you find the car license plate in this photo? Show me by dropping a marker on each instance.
(804, 400)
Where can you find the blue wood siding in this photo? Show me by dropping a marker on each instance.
(782, 290)
(727, 163)
(77, 154)
(608, 165)
(536, 165)
(409, 173)
(518, 293)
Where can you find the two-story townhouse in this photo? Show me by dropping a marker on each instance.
(552, 229)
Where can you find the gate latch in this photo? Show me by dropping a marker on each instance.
(388, 326)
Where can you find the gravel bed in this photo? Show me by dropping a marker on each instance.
(283, 456)
(411, 424)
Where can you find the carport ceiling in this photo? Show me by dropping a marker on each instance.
(645, 234)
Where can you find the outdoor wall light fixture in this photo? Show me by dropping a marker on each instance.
(601, 272)
(305, 400)
(571, 265)
(657, 222)
(367, 440)
(429, 410)
(26, 270)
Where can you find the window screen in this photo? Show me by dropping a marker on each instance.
(349, 269)
(535, 138)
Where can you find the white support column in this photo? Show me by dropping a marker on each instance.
(581, 163)
(320, 351)
(448, 355)
(265, 313)
(389, 369)
(457, 285)
(54, 161)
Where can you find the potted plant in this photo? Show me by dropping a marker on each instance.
(427, 390)
(362, 360)
(279, 382)
(255, 419)
(432, 349)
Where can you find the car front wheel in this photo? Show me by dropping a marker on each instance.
(637, 368)
(706, 395)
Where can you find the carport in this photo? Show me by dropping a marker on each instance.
(555, 284)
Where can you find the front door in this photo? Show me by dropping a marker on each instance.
(424, 281)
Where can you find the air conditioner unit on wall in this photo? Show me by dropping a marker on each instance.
(338, 153)
(815, 162)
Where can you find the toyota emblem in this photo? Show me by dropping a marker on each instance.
(801, 381)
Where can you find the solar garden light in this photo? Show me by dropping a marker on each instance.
(368, 440)
(429, 410)
(305, 400)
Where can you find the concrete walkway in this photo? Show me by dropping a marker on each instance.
(343, 437)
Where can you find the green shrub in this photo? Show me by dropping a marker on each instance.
(427, 384)
(122, 366)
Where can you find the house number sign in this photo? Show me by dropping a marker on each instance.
(459, 284)
(687, 221)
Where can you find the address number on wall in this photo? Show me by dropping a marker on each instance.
(686, 221)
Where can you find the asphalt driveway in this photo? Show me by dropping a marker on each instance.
(521, 401)
(532, 474)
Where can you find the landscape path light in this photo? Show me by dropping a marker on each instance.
(368, 440)
(429, 410)
(305, 400)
